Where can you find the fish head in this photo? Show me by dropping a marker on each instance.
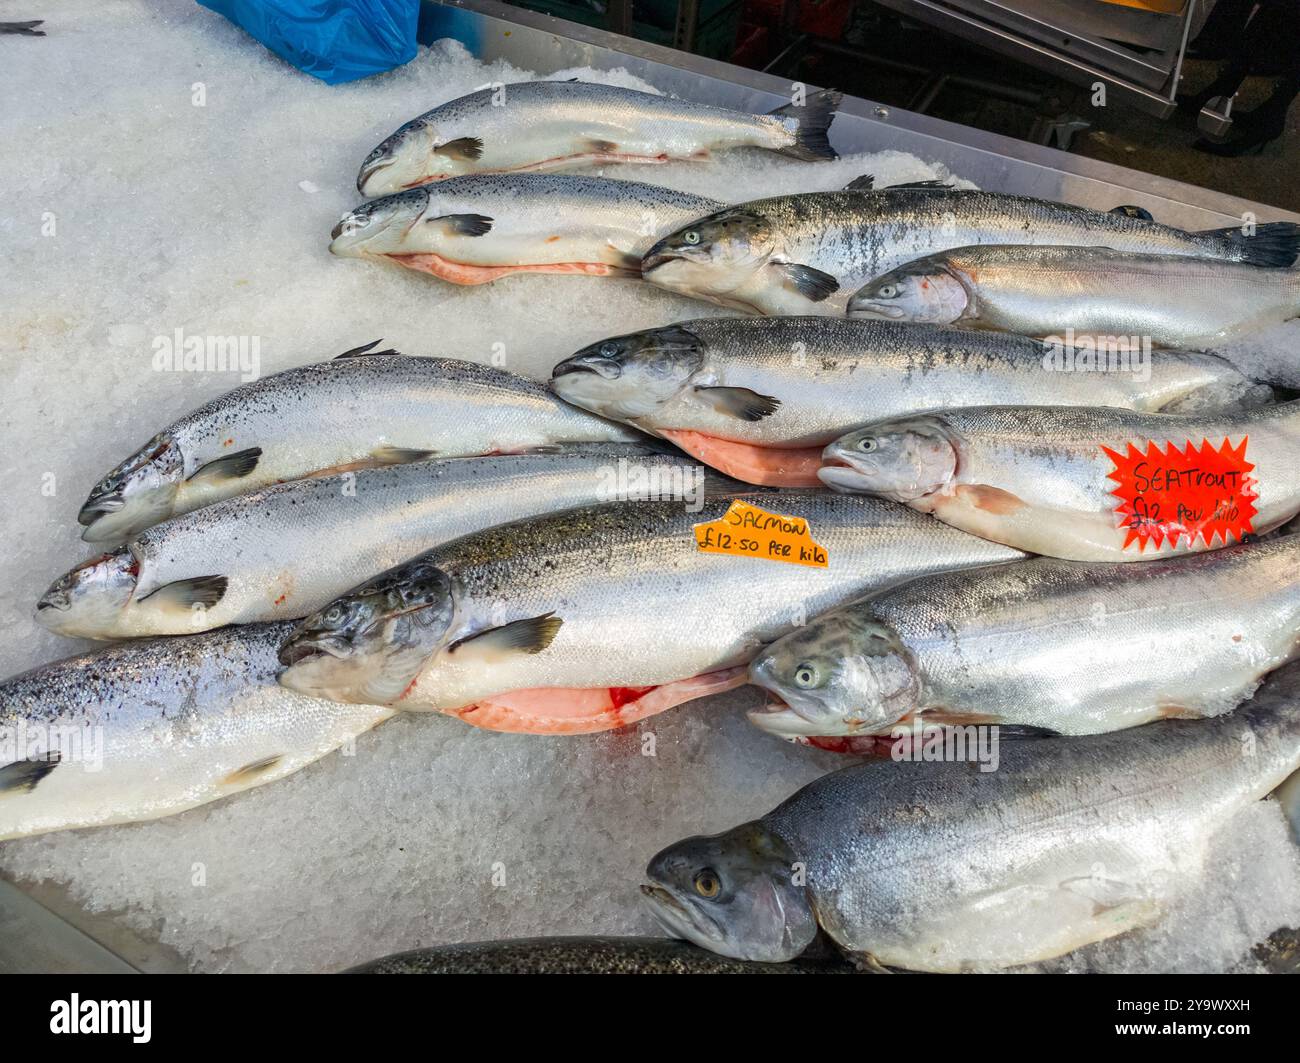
(848, 674)
(137, 493)
(369, 645)
(734, 893)
(902, 460)
(380, 226)
(924, 291)
(417, 154)
(713, 257)
(629, 377)
(87, 602)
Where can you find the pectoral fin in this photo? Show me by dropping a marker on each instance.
(400, 455)
(739, 402)
(811, 283)
(519, 636)
(466, 148)
(463, 224)
(185, 594)
(22, 776)
(231, 467)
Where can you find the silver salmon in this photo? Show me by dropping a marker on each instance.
(936, 866)
(598, 617)
(1167, 300)
(149, 729)
(1040, 478)
(1063, 646)
(357, 411)
(808, 253)
(285, 551)
(758, 398)
(553, 125)
(472, 230)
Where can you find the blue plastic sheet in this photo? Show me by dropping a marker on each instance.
(334, 40)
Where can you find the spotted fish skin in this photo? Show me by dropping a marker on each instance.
(550, 125)
(853, 236)
(936, 866)
(469, 230)
(347, 413)
(148, 729)
(287, 550)
(584, 955)
(630, 575)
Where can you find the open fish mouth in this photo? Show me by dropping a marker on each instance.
(102, 507)
(840, 475)
(298, 650)
(777, 718)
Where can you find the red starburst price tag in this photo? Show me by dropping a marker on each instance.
(1201, 492)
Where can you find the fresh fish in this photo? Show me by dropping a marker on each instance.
(596, 618)
(357, 411)
(936, 866)
(287, 550)
(148, 729)
(550, 125)
(1038, 478)
(759, 398)
(584, 955)
(808, 253)
(1064, 646)
(1168, 300)
(471, 230)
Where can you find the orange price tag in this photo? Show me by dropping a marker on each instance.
(1200, 492)
(748, 531)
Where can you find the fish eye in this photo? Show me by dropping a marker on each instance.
(707, 883)
(866, 445)
(608, 350)
(107, 485)
(333, 614)
(805, 676)
(690, 236)
(887, 291)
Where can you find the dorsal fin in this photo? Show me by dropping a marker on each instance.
(365, 351)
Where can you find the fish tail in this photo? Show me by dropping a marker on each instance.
(1275, 243)
(812, 122)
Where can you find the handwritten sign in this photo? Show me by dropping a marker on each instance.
(1199, 492)
(748, 531)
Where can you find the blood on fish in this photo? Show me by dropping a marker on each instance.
(766, 466)
(462, 273)
(586, 710)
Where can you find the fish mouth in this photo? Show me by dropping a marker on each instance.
(99, 507)
(605, 368)
(840, 475)
(654, 260)
(876, 311)
(777, 718)
(678, 920)
(54, 600)
(369, 169)
(297, 650)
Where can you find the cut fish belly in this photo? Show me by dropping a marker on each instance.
(765, 466)
(462, 273)
(586, 710)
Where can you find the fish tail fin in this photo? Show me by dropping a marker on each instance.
(812, 122)
(1275, 243)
